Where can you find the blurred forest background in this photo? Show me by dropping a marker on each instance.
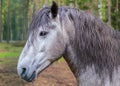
(15, 18)
(16, 15)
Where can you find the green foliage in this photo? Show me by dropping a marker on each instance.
(104, 10)
(84, 4)
(115, 14)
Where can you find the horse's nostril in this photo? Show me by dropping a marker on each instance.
(23, 71)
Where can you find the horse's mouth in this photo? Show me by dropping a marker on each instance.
(31, 78)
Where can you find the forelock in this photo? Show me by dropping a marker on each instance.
(40, 18)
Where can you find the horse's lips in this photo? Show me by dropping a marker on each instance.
(32, 78)
(42, 67)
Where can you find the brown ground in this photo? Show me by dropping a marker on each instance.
(57, 74)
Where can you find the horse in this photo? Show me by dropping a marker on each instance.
(90, 47)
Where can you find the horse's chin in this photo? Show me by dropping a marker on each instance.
(32, 77)
(42, 67)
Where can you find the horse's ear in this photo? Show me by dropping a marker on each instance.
(54, 9)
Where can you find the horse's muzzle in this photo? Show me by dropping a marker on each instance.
(27, 74)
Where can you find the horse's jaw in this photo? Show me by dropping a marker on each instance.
(42, 67)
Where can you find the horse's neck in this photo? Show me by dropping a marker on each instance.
(71, 60)
(94, 57)
(89, 76)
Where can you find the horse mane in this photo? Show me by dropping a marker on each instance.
(40, 18)
(95, 42)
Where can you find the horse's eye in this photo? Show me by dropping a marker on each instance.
(43, 33)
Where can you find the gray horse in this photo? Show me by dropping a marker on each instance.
(90, 47)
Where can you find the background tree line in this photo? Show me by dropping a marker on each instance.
(16, 15)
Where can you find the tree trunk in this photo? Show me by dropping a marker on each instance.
(8, 22)
(30, 10)
(75, 3)
(25, 20)
(47, 2)
(100, 8)
(109, 12)
(58, 2)
(36, 5)
(0, 20)
(116, 14)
